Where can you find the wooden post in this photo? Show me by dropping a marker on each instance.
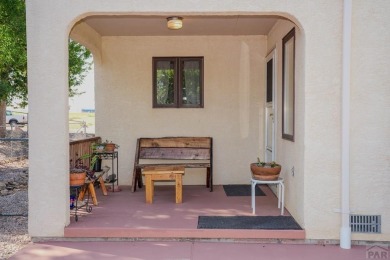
(149, 188)
(179, 194)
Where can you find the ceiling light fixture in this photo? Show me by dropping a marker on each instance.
(175, 22)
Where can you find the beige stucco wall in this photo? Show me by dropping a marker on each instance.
(370, 114)
(313, 194)
(290, 154)
(48, 140)
(85, 35)
(233, 97)
(303, 176)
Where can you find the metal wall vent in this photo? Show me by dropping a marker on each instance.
(366, 223)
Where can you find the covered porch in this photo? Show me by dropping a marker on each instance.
(234, 99)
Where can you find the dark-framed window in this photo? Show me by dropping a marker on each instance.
(177, 82)
(288, 90)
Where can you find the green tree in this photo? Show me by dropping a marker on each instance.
(13, 58)
(80, 61)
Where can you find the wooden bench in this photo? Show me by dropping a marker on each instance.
(189, 152)
(163, 173)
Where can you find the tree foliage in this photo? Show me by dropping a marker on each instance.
(80, 61)
(13, 55)
(13, 58)
(13, 50)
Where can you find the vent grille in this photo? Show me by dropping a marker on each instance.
(366, 223)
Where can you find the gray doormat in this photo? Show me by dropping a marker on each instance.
(241, 190)
(248, 222)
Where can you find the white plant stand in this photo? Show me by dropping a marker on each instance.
(278, 182)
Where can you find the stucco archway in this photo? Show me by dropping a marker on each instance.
(91, 28)
(54, 147)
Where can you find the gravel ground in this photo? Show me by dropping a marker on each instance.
(13, 208)
(13, 235)
(14, 203)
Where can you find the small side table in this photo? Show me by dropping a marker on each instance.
(163, 173)
(89, 186)
(278, 182)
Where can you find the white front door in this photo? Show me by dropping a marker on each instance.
(270, 108)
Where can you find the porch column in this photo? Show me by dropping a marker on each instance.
(48, 191)
(345, 229)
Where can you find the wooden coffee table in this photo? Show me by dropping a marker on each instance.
(163, 173)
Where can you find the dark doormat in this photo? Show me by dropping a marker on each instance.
(248, 222)
(241, 190)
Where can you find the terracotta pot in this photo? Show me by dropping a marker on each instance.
(266, 177)
(77, 178)
(265, 170)
(265, 173)
(110, 147)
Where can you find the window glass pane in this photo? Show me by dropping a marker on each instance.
(269, 80)
(165, 75)
(191, 82)
(288, 86)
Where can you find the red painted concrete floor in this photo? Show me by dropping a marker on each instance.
(126, 215)
(186, 250)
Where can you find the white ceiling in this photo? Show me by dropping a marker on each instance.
(192, 25)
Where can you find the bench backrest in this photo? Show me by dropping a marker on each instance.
(175, 148)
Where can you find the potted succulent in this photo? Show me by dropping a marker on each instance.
(107, 146)
(77, 173)
(110, 146)
(265, 171)
(98, 147)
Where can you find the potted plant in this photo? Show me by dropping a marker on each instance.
(98, 147)
(110, 146)
(77, 173)
(265, 171)
(95, 164)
